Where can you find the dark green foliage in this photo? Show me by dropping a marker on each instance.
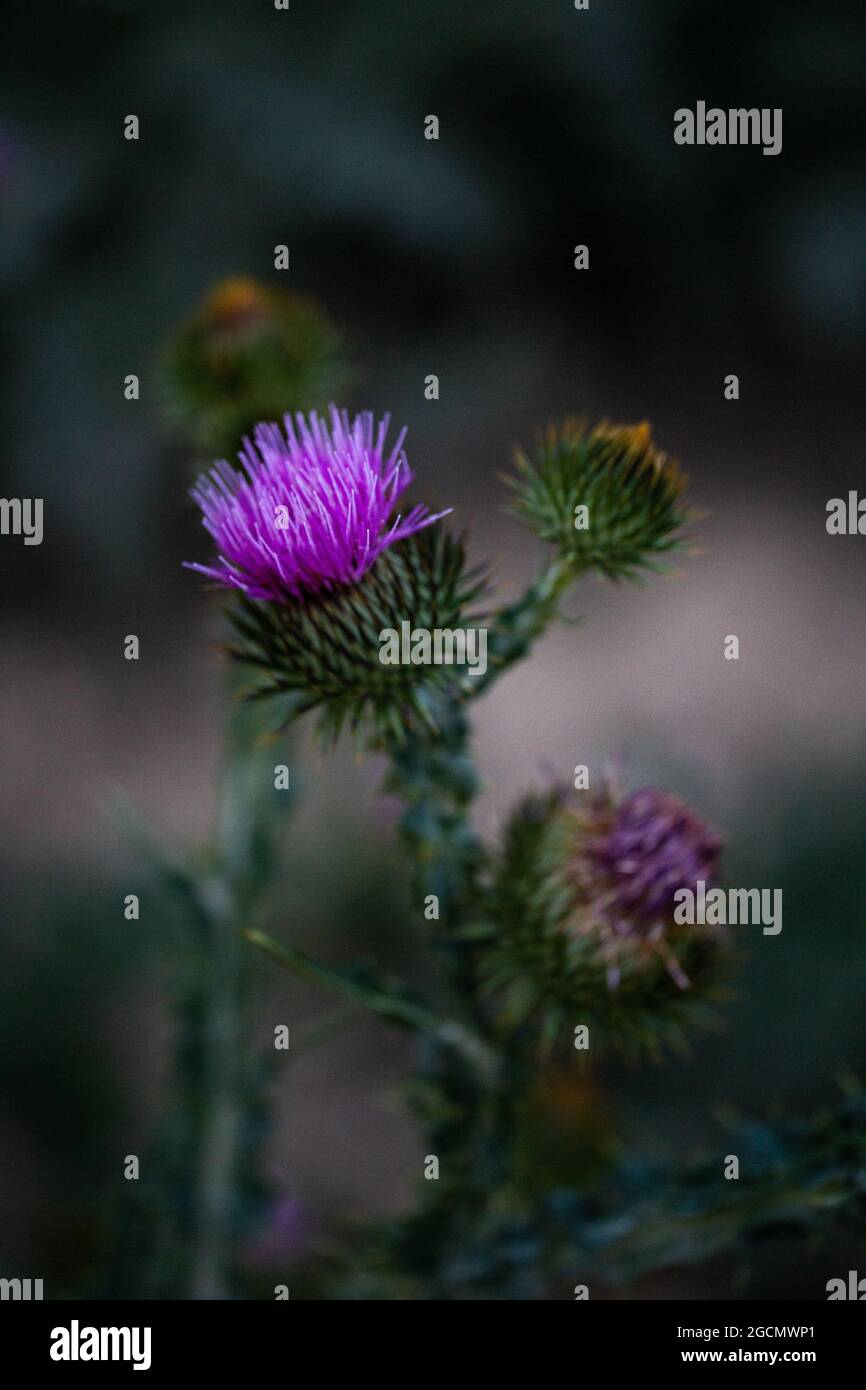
(633, 493)
(796, 1179)
(323, 652)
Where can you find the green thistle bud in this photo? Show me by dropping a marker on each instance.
(581, 925)
(248, 353)
(608, 499)
(322, 651)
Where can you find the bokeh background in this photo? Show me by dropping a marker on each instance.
(261, 127)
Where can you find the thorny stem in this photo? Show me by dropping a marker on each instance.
(516, 627)
(230, 900)
(218, 1153)
(435, 778)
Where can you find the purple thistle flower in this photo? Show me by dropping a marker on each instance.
(654, 845)
(633, 858)
(311, 509)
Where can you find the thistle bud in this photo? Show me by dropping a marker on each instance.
(607, 499)
(248, 353)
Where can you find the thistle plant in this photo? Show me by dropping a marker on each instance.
(565, 926)
(569, 921)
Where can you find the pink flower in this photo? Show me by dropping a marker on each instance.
(311, 509)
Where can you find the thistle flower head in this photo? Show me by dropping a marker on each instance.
(322, 570)
(607, 498)
(581, 916)
(248, 352)
(310, 510)
(632, 857)
(322, 651)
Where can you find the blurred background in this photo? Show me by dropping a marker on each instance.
(455, 257)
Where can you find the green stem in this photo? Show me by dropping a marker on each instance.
(435, 778)
(387, 999)
(379, 1000)
(219, 1136)
(515, 628)
(232, 898)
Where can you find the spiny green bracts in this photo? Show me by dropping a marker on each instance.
(580, 925)
(248, 353)
(607, 499)
(323, 651)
